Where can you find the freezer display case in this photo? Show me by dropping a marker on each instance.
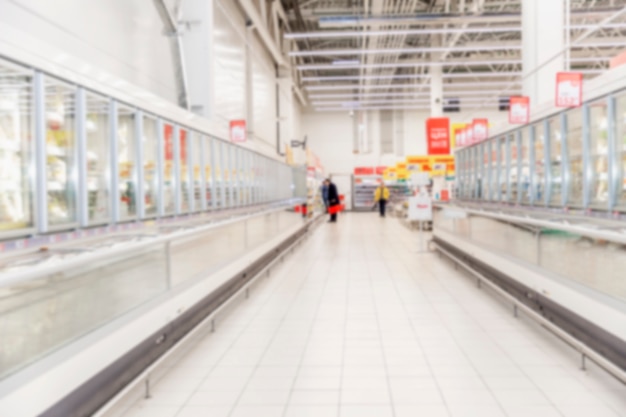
(61, 153)
(72, 157)
(364, 187)
(574, 159)
(16, 149)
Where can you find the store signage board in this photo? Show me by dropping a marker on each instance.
(380, 170)
(363, 170)
(420, 208)
(519, 110)
(438, 135)
(238, 131)
(480, 129)
(569, 89)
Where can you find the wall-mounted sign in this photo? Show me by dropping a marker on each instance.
(438, 135)
(238, 131)
(519, 110)
(569, 89)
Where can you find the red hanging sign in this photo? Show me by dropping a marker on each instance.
(238, 131)
(380, 170)
(438, 135)
(480, 129)
(569, 89)
(519, 110)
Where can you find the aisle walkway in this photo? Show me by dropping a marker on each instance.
(356, 324)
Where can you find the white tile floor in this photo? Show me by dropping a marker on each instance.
(357, 324)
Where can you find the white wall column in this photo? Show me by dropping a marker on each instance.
(436, 81)
(436, 91)
(543, 36)
(196, 23)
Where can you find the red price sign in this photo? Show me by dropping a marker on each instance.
(438, 135)
(480, 129)
(519, 110)
(569, 89)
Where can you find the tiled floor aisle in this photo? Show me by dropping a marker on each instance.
(356, 324)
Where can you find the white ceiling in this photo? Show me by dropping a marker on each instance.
(353, 49)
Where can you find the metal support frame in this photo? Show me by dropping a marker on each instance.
(41, 183)
(115, 182)
(82, 206)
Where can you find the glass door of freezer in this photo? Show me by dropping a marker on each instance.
(599, 154)
(97, 128)
(169, 181)
(150, 147)
(61, 153)
(540, 165)
(524, 179)
(620, 151)
(16, 148)
(555, 168)
(574, 148)
(126, 163)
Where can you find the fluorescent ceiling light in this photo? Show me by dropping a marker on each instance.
(414, 76)
(405, 86)
(310, 67)
(413, 94)
(404, 101)
(453, 30)
(346, 62)
(350, 66)
(363, 33)
(356, 51)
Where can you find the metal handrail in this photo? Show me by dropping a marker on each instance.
(12, 278)
(582, 348)
(562, 225)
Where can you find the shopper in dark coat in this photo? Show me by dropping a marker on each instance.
(333, 198)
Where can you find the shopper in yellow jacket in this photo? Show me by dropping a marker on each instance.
(381, 196)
